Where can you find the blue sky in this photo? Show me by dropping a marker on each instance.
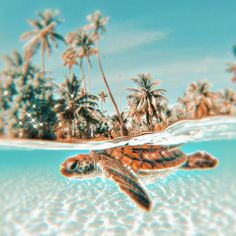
(177, 41)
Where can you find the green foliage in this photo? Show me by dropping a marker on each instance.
(234, 50)
(33, 115)
(74, 107)
(198, 100)
(43, 35)
(146, 100)
(29, 109)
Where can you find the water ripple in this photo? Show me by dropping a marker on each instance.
(185, 204)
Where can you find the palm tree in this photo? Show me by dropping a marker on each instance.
(102, 96)
(90, 114)
(16, 68)
(82, 44)
(74, 104)
(69, 58)
(1, 126)
(2, 108)
(15, 77)
(97, 23)
(114, 127)
(227, 101)
(198, 99)
(32, 114)
(232, 69)
(146, 99)
(232, 66)
(177, 113)
(43, 35)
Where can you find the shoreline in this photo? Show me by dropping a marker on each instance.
(99, 139)
(181, 132)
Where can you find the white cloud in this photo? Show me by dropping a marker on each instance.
(184, 68)
(175, 75)
(123, 38)
(195, 66)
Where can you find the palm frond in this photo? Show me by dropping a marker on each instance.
(58, 36)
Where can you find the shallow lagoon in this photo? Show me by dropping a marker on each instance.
(36, 200)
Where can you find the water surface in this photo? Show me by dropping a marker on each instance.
(36, 200)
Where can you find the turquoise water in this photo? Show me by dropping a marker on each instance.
(36, 200)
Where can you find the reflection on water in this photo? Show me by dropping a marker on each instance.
(36, 200)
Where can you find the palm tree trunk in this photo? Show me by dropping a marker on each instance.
(77, 129)
(89, 73)
(70, 128)
(123, 128)
(148, 121)
(42, 61)
(88, 129)
(74, 131)
(101, 106)
(83, 76)
(155, 111)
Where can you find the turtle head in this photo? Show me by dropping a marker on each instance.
(80, 166)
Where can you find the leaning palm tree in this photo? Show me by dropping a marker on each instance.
(43, 35)
(146, 99)
(198, 99)
(227, 102)
(97, 23)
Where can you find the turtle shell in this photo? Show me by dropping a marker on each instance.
(147, 157)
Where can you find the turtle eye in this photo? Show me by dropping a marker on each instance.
(73, 166)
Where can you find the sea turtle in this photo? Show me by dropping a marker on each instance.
(127, 165)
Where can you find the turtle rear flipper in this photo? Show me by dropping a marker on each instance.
(200, 160)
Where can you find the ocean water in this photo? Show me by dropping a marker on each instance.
(36, 200)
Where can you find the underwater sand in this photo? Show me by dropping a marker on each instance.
(36, 200)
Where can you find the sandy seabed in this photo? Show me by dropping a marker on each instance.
(36, 200)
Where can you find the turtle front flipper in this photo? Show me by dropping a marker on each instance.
(127, 181)
(200, 160)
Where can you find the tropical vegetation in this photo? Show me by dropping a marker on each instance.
(232, 66)
(34, 105)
